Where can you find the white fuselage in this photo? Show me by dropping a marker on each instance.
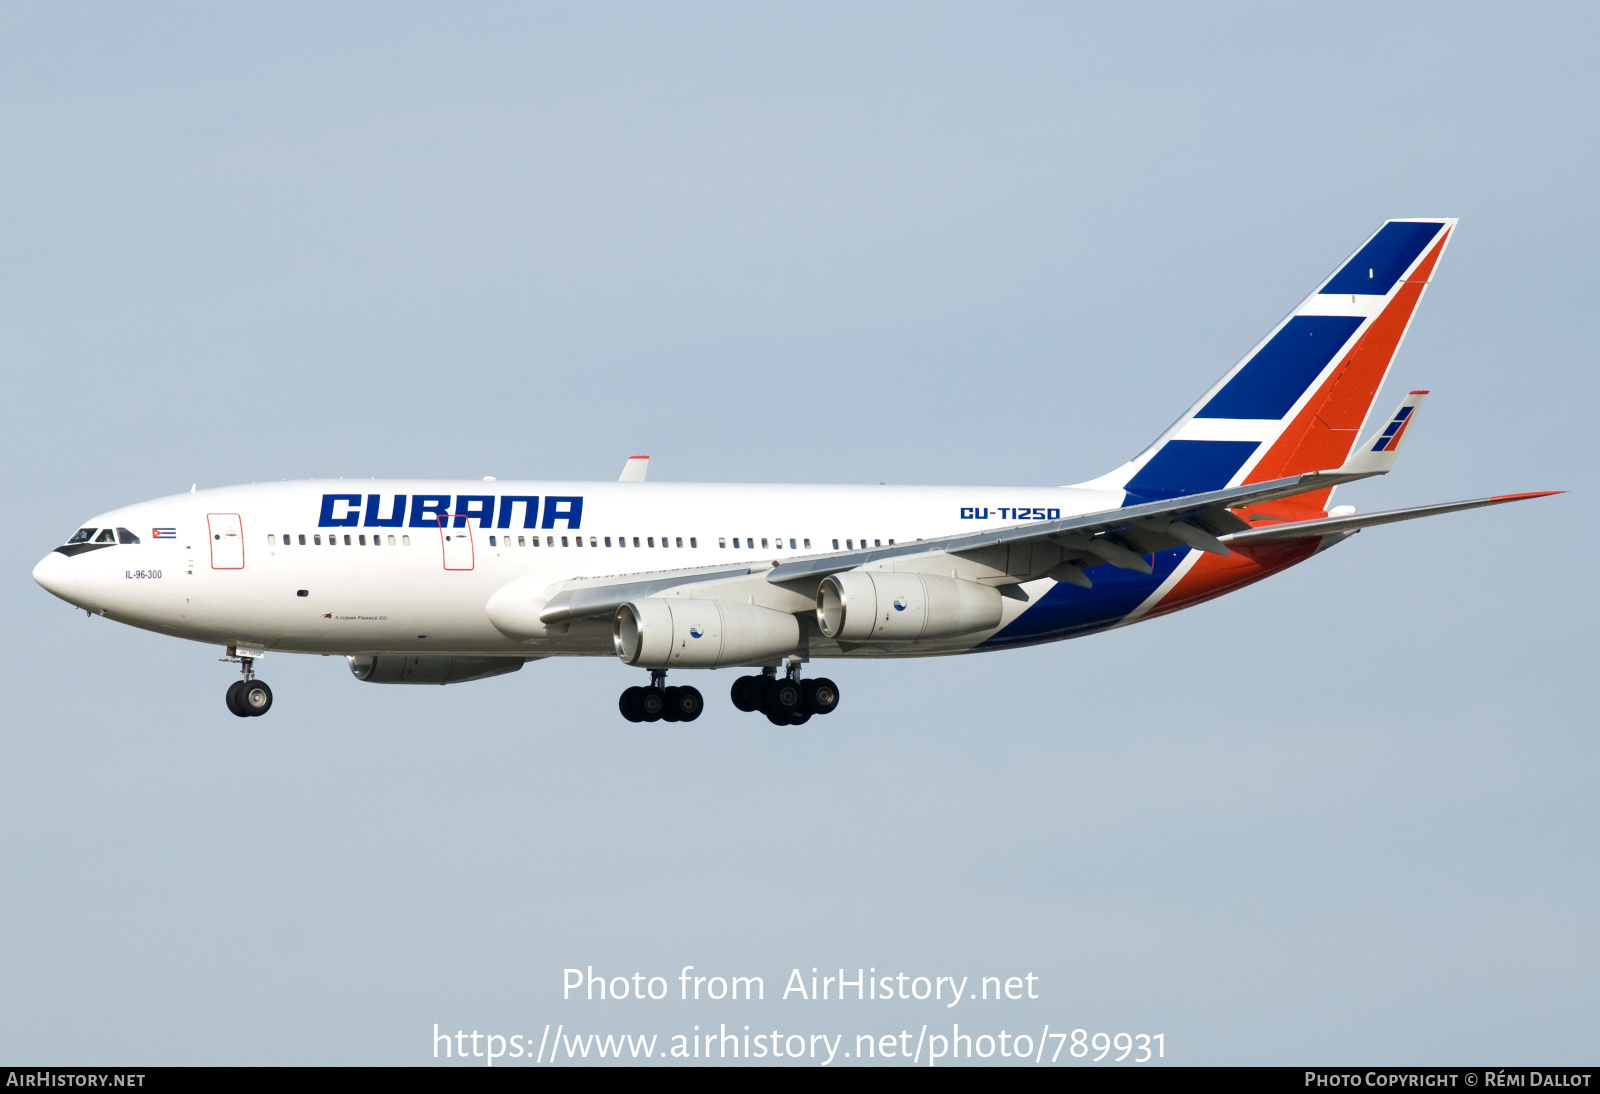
(280, 567)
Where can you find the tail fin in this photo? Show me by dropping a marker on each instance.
(1296, 402)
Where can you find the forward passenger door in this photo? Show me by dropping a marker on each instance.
(227, 541)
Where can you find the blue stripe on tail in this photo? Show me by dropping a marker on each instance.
(1275, 378)
(1385, 259)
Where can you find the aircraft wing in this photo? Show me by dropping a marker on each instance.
(1111, 535)
(1305, 529)
(583, 598)
(1118, 537)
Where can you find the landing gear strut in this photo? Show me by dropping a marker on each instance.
(789, 701)
(659, 703)
(249, 697)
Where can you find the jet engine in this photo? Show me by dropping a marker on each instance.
(863, 606)
(661, 632)
(396, 669)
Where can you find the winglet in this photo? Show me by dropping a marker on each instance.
(1377, 453)
(634, 470)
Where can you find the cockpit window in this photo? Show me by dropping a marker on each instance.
(106, 536)
(125, 536)
(82, 535)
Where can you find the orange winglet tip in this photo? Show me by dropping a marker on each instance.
(1534, 494)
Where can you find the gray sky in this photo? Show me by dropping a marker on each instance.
(1347, 815)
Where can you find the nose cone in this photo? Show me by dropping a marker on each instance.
(55, 573)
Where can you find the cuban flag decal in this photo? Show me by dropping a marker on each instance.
(163, 533)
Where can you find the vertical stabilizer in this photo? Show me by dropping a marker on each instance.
(1296, 402)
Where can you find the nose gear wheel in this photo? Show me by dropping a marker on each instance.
(249, 697)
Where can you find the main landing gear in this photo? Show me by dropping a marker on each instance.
(659, 703)
(248, 698)
(790, 701)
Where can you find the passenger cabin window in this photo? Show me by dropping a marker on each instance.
(316, 541)
(679, 541)
(808, 544)
(835, 545)
(106, 536)
(722, 541)
(405, 541)
(125, 536)
(271, 540)
(302, 541)
(636, 541)
(693, 542)
(82, 535)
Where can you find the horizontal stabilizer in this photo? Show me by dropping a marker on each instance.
(1376, 454)
(1331, 526)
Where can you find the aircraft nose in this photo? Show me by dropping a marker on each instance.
(54, 572)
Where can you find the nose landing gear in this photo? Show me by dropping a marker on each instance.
(659, 703)
(248, 698)
(789, 701)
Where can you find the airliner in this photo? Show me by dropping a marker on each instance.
(441, 582)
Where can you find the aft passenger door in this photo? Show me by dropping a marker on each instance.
(457, 544)
(227, 541)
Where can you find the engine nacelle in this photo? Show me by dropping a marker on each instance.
(863, 606)
(663, 632)
(396, 669)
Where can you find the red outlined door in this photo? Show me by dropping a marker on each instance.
(227, 541)
(457, 544)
